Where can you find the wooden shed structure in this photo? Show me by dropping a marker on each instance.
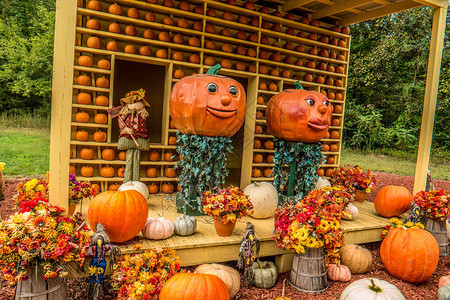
(266, 50)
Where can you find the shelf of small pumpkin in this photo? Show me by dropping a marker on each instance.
(150, 7)
(262, 135)
(232, 72)
(89, 106)
(230, 24)
(120, 179)
(91, 125)
(119, 162)
(262, 179)
(152, 146)
(306, 69)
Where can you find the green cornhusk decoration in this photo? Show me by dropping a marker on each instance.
(204, 167)
(301, 177)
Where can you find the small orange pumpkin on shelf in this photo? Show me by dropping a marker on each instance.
(93, 42)
(334, 134)
(178, 56)
(256, 173)
(129, 49)
(104, 64)
(130, 30)
(114, 28)
(112, 46)
(168, 156)
(87, 153)
(169, 173)
(87, 171)
(194, 58)
(145, 50)
(161, 53)
(257, 144)
(333, 148)
(84, 98)
(178, 74)
(100, 118)
(258, 129)
(122, 155)
(115, 9)
(121, 172)
(270, 158)
(338, 109)
(113, 187)
(154, 156)
(101, 100)
(84, 80)
(148, 34)
(152, 172)
(150, 17)
(99, 136)
(82, 117)
(85, 61)
(133, 12)
(182, 23)
(339, 96)
(257, 158)
(325, 147)
(268, 145)
(273, 87)
(320, 172)
(194, 41)
(167, 188)
(95, 5)
(172, 140)
(107, 172)
(82, 135)
(153, 188)
(108, 154)
(93, 24)
(267, 172)
(102, 82)
(72, 170)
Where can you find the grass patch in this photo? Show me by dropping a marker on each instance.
(401, 163)
(26, 151)
(24, 120)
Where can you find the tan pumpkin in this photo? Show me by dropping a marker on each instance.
(338, 273)
(87, 171)
(108, 154)
(229, 276)
(87, 153)
(82, 136)
(356, 258)
(100, 136)
(444, 281)
(107, 172)
(352, 211)
(157, 228)
(264, 198)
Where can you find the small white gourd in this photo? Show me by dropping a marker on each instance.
(185, 225)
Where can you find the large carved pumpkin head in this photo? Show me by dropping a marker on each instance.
(298, 115)
(208, 104)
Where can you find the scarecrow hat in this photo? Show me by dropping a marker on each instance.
(135, 96)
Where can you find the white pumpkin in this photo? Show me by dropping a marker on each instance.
(157, 229)
(185, 225)
(371, 289)
(137, 186)
(447, 224)
(321, 183)
(229, 276)
(264, 198)
(352, 210)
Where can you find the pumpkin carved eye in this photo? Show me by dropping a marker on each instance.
(233, 91)
(326, 102)
(212, 88)
(310, 102)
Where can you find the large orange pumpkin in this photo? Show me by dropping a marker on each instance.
(208, 104)
(410, 254)
(392, 200)
(194, 286)
(122, 213)
(297, 115)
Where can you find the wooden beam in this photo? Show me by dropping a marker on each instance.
(338, 7)
(431, 91)
(379, 12)
(61, 112)
(434, 3)
(383, 2)
(291, 4)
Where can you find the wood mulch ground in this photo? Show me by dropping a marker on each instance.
(427, 290)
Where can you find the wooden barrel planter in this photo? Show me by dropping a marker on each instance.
(36, 288)
(308, 273)
(439, 230)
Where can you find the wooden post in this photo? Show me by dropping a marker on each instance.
(429, 105)
(61, 112)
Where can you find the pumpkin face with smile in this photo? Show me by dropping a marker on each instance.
(299, 115)
(208, 105)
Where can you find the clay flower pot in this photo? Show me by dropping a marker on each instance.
(360, 196)
(223, 229)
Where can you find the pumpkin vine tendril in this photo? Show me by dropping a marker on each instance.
(204, 167)
(303, 160)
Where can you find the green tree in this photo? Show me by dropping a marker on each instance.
(26, 54)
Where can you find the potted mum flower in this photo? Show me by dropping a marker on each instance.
(355, 179)
(226, 206)
(312, 230)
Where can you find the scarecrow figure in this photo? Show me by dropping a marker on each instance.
(247, 254)
(98, 246)
(133, 138)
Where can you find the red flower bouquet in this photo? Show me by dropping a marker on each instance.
(434, 205)
(353, 178)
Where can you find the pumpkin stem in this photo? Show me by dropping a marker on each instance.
(298, 86)
(256, 184)
(214, 69)
(374, 287)
(282, 291)
(260, 264)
